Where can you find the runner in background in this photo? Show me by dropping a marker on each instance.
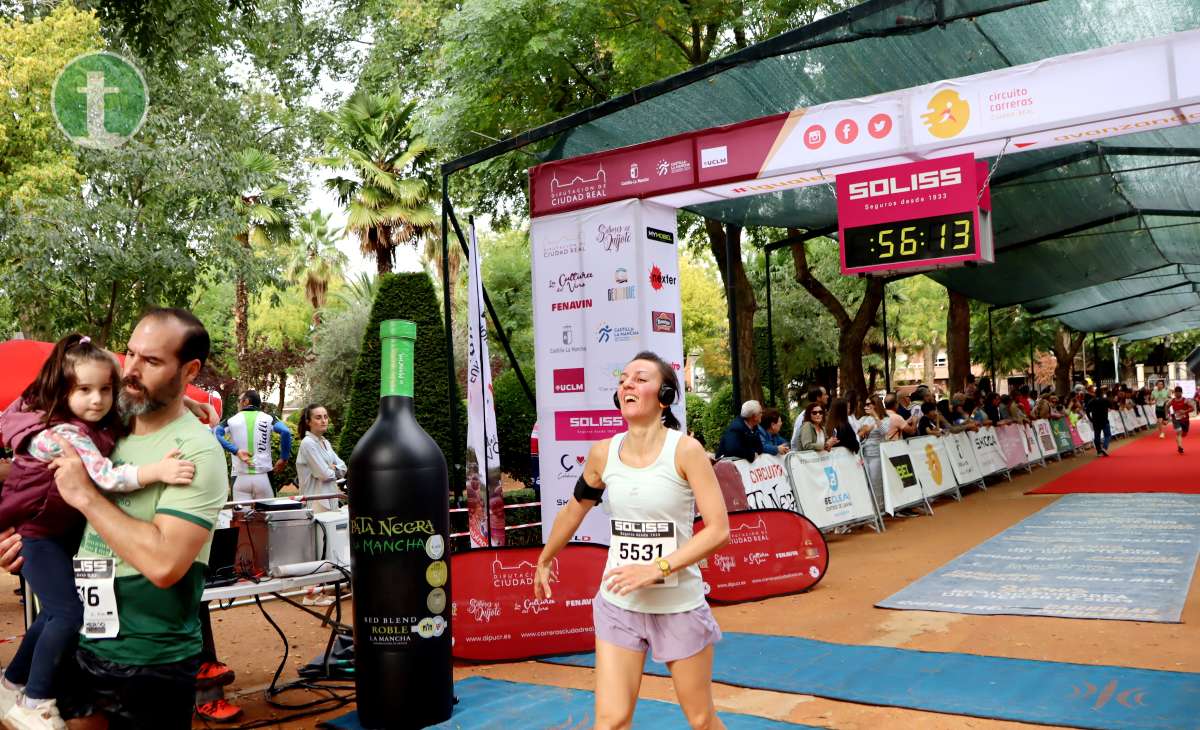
(651, 595)
(1161, 395)
(1180, 410)
(247, 435)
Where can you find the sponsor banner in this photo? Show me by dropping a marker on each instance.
(961, 455)
(606, 177)
(831, 487)
(1045, 437)
(1076, 439)
(732, 487)
(769, 553)
(1189, 386)
(1033, 447)
(483, 442)
(1062, 435)
(931, 465)
(595, 307)
(1116, 424)
(495, 614)
(987, 450)
(1084, 427)
(766, 483)
(900, 486)
(1011, 438)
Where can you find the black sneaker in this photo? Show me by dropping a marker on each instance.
(1180, 449)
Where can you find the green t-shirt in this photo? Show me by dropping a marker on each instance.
(162, 625)
(1161, 397)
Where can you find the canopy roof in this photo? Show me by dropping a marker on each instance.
(1100, 234)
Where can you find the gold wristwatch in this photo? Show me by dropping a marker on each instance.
(665, 566)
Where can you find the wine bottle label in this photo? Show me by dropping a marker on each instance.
(396, 367)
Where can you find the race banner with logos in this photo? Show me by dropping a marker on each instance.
(769, 553)
(1076, 439)
(831, 487)
(1045, 437)
(605, 287)
(485, 503)
(495, 616)
(900, 485)
(1115, 424)
(987, 449)
(1011, 439)
(963, 461)
(733, 489)
(766, 482)
(931, 464)
(1061, 430)
(1033, 446)
(1084, 427)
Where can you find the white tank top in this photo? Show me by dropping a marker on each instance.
(654, 496)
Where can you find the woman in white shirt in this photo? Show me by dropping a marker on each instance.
(652, 480)
(318, 467)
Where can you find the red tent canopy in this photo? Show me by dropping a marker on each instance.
(20, 361)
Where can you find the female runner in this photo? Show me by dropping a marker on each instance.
(651, 596)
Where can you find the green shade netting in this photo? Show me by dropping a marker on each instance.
(1090, 233)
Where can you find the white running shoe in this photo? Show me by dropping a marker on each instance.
(8, 698)
(43, 717)
(1161, 435)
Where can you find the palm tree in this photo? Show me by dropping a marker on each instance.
(265, 207)
(316, 261)
(387, 203)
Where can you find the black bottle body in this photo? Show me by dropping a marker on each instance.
(400, 564)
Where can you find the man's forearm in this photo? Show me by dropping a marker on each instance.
(139, 543)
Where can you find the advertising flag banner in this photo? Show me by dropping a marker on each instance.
(1045, 437)
(831, 487)
(495, 616)
(900, 486)
(766, 482)
(1011, 438)
(931, 463)
(485, 501)
(605, 287)
(963, 460)
(1076, 439)
(769, 553)
(987, 450)
(1032, 444)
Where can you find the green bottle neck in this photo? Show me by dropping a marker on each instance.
(396, 368)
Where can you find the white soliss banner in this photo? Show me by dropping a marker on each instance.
(605, 287)
(988, 451)
(831, 487)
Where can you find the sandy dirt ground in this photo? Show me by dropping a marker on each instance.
(864, 567)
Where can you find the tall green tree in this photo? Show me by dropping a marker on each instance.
(387, 201)
(265, 207)
(316, 260)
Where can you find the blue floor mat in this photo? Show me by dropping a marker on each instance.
(493, 704)
(1050, 693)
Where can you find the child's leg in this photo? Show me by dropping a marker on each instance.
(48, 570)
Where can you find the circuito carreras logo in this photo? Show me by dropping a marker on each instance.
(948, 114)
(934, 464)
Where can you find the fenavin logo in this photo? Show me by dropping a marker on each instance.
(100, 100)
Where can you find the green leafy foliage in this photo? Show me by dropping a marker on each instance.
(411, 297)
(717, 416)
(696, 408)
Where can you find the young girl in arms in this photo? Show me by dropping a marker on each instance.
(651, 596)
(71, 399)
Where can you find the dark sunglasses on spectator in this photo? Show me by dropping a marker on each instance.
(818, 412)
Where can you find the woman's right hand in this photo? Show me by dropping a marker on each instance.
(10, 551)
(541, 580)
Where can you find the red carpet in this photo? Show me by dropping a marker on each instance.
(1146, 464)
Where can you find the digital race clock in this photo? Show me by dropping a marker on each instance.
(927, 214)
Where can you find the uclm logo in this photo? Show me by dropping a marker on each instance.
(568, 380)
(587, 425)
(928, 180)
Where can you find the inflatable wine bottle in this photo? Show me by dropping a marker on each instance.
(399, 551)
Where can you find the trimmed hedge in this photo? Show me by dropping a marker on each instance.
(696, 408)
(515, 417)
(408, 296)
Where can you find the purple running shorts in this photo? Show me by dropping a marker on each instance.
(669, 636)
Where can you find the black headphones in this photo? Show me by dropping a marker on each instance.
(666, 396)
